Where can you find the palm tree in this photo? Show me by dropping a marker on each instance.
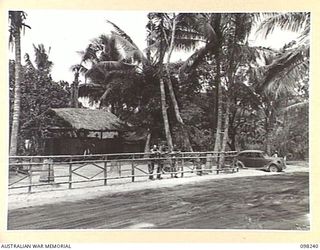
(110, 72)
(16, 24)
(223, 39)
(105, 63)
(290, 67)
(42, 58)
(169, 32)
(292, 62)
(76, 69)
(205, 29)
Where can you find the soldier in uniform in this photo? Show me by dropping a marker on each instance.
(162, 155)
(154, 154)
(174, 154)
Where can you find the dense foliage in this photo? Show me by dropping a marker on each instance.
(38, 93)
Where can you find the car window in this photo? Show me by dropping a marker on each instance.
(250, 155)
(259, 155)
(245, 155)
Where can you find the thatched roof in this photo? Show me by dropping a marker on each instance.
(89, 119)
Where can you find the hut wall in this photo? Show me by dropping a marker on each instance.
(78, 146)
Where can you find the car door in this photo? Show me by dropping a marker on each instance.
(246, 159)
(258, 160)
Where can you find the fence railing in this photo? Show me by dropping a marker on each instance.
(32, 173)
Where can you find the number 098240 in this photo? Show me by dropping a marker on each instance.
(309, 246)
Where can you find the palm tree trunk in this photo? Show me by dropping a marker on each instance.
(165, 114)
(225, 133)
(147, 144)
(104, 95)
(75, 91)
(267, 136)
(176, 108)
(17, 95)
(217, 144)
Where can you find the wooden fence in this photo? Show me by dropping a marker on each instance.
(71, 171)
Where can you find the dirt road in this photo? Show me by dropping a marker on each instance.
(261, 202)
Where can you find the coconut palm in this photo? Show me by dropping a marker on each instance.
(169, 32)
(16, 25)
(120, 70)
(42, 58)
(223, 37)
(292, 63)
(76, 69)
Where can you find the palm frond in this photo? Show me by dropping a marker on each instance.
(187, 44)
(292, 64)
(42, 57)
(103, 68)
(130, 50)
(288, 79)
(91, 89)
(292, 21)
(89, 54)
(29, 64)
(298, 106)
(78, 68)
(123, 34)
(194, 60)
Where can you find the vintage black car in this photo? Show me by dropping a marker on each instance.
(258, 159)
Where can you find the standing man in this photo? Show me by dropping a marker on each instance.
(154, 153)
(174, 154)
(161, 160)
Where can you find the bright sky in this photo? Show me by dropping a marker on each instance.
(67, 32)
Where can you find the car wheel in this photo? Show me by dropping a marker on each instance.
(273, 168)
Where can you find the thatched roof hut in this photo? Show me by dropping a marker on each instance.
(89, 119)
(78, 130)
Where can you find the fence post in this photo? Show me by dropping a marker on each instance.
(50, 170)
(182, 165)
(30, 177)
(70, 174)
(218, 163)
(132, 169)
(105, 170)
(198, 166)
(119, 167)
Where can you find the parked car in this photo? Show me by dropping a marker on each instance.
(258, 159)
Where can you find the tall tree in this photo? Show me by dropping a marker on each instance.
(224, 35)
(16, 25)
(169, 31)
(123, 71)
(38, 93)
(292, 63)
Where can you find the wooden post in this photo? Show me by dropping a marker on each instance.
(218, 163)
(47, 174)
(105, 170)
(198, 166)
(30, 178)
(182, 164)
(70, 174)
(132, 169)
(50, 171)
(119, 167)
